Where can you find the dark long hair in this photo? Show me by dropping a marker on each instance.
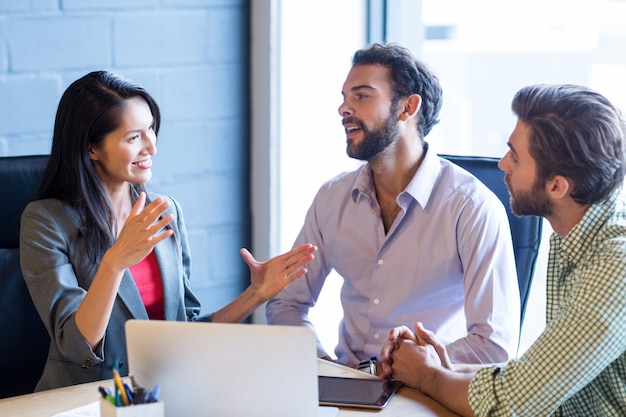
(577, 133)
(89, 109)
(408, 76)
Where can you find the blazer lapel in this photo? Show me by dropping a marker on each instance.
(129, 294)
(167, 254)
(167, 257)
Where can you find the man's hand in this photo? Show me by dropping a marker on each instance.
(426, 337)
(395, 363)
(396, 336)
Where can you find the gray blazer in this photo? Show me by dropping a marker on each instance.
(58, 272)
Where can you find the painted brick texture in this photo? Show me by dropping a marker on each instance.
(192, 55)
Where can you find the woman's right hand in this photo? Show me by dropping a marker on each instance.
(142, 231)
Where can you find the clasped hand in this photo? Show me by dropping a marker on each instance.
(406, 354)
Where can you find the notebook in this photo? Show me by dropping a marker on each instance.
(217, 369)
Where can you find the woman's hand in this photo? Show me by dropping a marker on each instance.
(141, 232)
(271, 277)
(268, 279)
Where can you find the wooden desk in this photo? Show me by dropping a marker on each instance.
(407, 402)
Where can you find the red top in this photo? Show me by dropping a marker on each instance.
(147, 277)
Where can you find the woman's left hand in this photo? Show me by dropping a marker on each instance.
(271, 277)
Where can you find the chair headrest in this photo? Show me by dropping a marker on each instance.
(19, 179)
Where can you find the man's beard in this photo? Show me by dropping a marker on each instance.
(530, 203)
(374, 141)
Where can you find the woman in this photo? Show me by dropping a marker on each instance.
(97, 250)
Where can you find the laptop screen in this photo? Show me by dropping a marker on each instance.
(216, 369)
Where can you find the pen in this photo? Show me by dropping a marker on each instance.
(139, 396)
(120, 387)
(129, 394)
(153, 394)
(106, 395)
(133, 382)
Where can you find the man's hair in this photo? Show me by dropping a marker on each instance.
(577, 133)
(408, 76)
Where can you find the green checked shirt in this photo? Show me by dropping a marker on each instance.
(577, 366)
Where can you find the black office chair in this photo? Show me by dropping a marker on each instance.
(525, 231)
(24, 341)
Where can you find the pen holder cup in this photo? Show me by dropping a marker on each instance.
(155, 409)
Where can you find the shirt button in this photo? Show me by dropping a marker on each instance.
(380, 262)
(376, 336)
(376, 301)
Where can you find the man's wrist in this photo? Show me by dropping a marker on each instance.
(370, 366)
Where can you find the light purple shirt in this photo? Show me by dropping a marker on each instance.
(446, 261)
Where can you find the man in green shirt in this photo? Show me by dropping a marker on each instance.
(566, 163)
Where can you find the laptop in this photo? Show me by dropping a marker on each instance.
(218, 369)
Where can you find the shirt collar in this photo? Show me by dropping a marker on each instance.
(578, 240)
(363, 186)
(423, 182)
(419, 188)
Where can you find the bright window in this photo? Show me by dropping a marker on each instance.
(483, 51)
